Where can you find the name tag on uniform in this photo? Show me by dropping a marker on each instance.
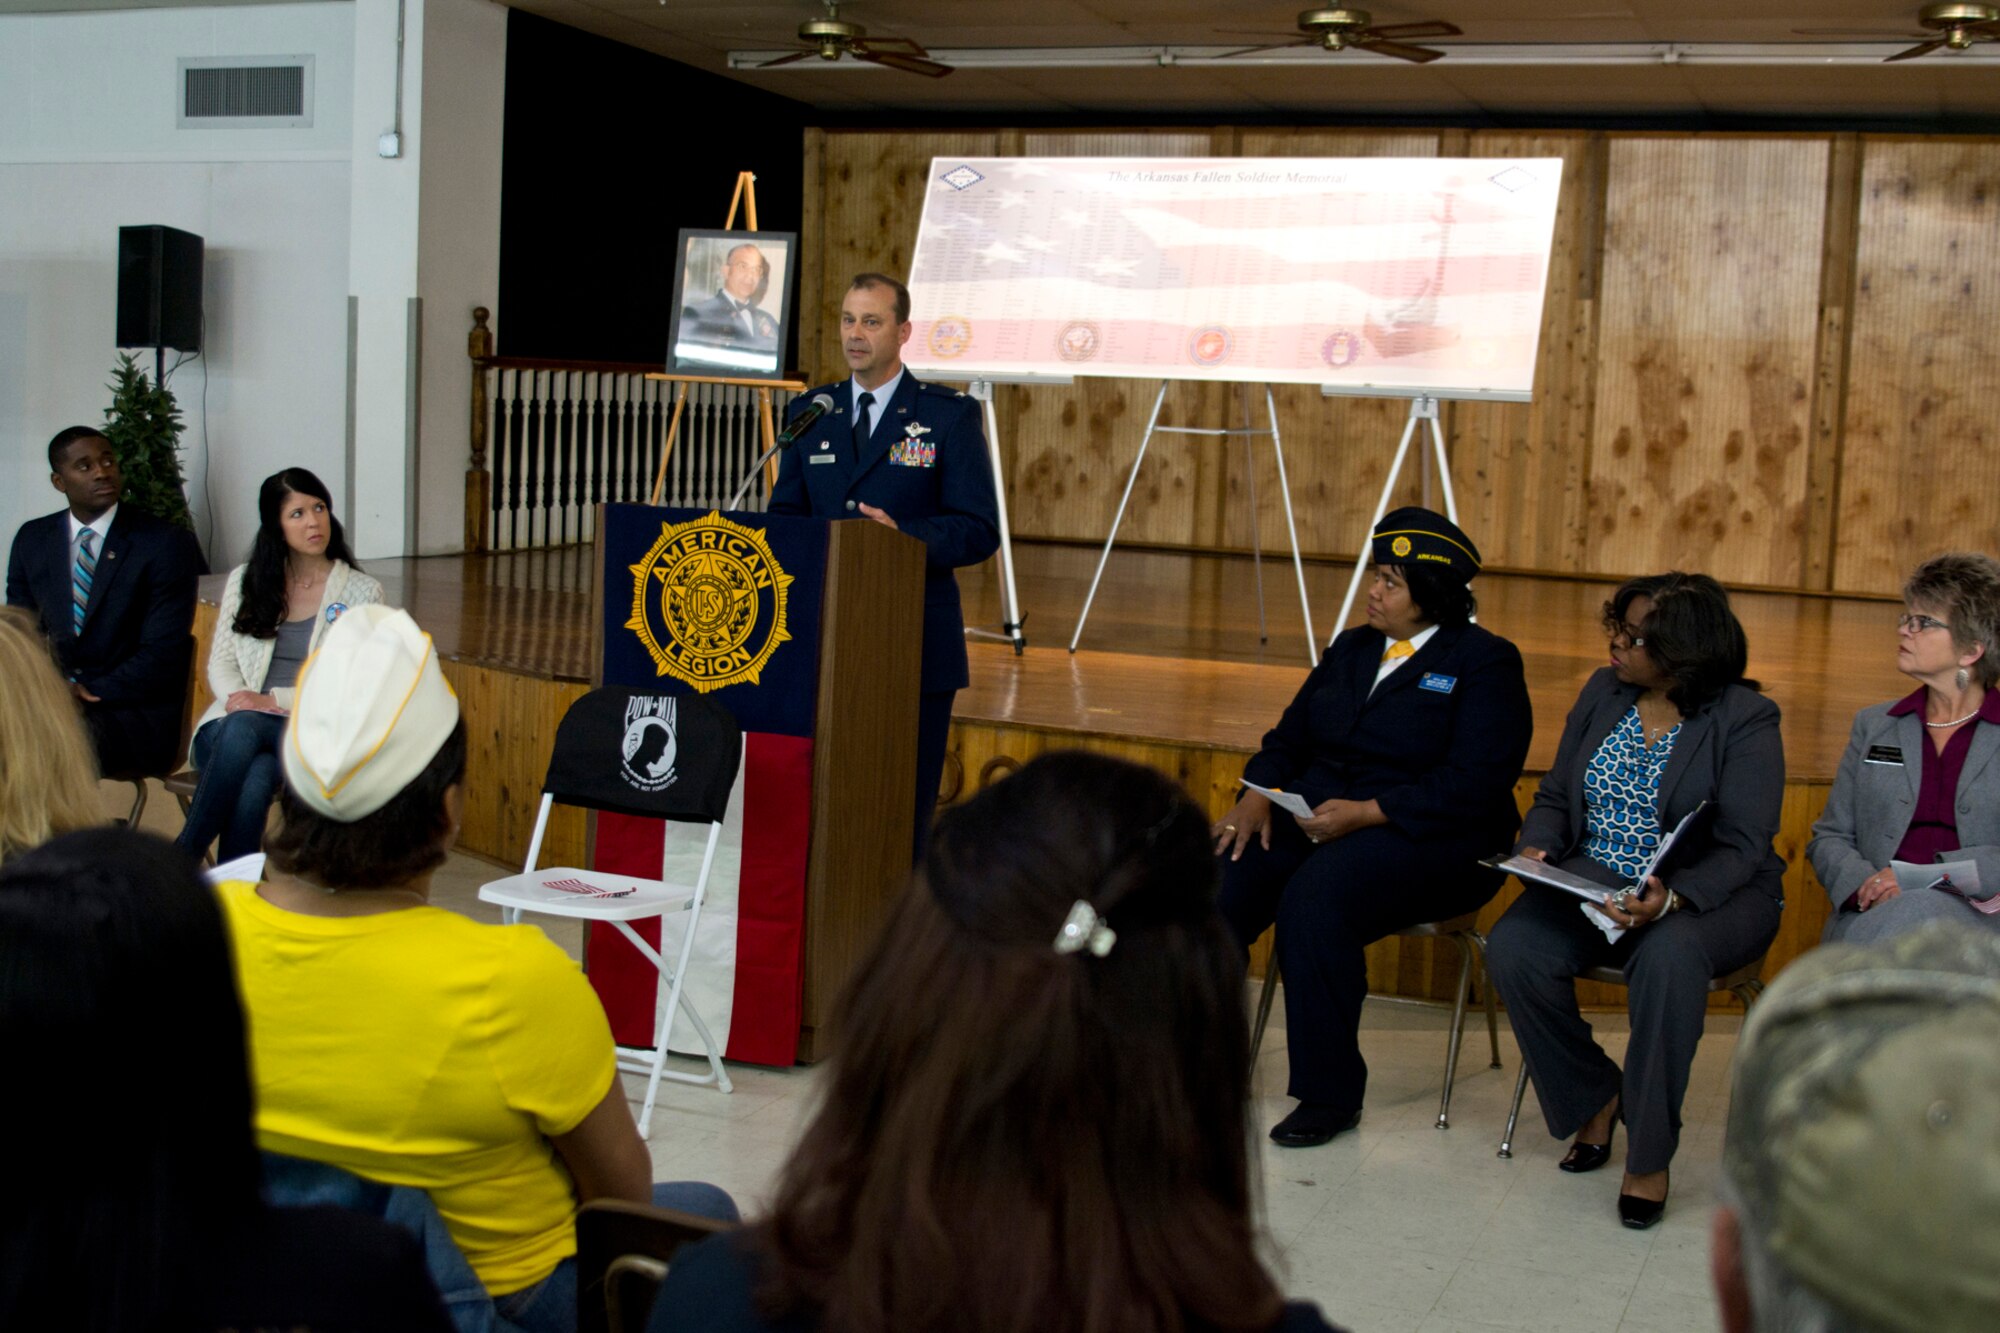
(1884, 754)
(1437, 684)
(822, 458)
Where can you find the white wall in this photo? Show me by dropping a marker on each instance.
(464, 104)
(88, 144)
(296, 221)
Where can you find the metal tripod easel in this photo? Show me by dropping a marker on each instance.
(1424, 408)
(1256, 546)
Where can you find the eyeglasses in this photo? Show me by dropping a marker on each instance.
(1624, 636)
(1912, 623)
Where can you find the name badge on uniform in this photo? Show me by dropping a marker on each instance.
(1884, 754)
(822, 458)
(1437, 684)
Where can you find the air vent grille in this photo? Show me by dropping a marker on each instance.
(246, 92)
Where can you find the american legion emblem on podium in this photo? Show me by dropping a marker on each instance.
(708, 602)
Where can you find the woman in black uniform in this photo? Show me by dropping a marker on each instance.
(1406, 741)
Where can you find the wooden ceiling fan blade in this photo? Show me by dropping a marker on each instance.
(1261, 32)
(1418, 55)
(1435, 28)
(786, 60)
(930, 69)
(1990, 29)
(1880, 34)
(1921, 50)
(892, 46)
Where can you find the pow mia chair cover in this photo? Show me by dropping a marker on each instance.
(660, 755)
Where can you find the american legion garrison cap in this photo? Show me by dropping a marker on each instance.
(1411, 536)
(1864, 1128)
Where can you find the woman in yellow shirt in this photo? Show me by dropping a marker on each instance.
(403, 1042)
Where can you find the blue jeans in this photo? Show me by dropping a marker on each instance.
(294, 1182)
(550, 1305)
(237, 755)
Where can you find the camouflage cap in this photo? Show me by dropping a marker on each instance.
(1864, 1128)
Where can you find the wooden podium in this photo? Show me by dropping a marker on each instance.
(809, 631)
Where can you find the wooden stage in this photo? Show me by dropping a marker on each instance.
(1170, 673)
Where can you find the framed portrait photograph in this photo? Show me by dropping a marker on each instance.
(732, 304)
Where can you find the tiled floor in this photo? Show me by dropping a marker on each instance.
(1392, 1228)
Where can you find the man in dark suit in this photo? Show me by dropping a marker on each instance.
(114, 590)
(734, 316)
(911, 456)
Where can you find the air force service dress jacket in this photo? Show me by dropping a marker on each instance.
(924, 465)
(1438, 744)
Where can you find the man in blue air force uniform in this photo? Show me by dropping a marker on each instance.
(910, 456)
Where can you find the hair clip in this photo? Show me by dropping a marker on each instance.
(1084, 929)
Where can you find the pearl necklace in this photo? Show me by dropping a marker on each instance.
(1955, 721)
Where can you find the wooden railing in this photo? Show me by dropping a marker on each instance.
(552, 439)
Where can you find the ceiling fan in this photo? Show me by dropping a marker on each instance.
(1338, 29)
(830, 39)
(1947, 26)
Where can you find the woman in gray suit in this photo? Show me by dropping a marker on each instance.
(1672, 722)
(1918, 784)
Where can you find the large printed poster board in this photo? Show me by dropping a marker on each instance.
(1392, 275)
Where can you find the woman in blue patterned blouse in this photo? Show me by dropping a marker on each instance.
(1670, 723)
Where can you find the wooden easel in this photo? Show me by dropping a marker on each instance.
(746, 196)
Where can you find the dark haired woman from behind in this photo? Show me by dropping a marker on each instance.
(1405, 741)
(1670, 723)
(1035, 1114)
(299, 579)
(112, 947)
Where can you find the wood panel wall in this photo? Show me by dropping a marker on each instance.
(1763, 356)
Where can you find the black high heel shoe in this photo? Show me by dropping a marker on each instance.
(1583, 1157)
(1638, 1213)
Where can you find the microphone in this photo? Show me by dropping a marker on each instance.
(821, 404)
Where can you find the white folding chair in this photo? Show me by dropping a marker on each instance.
(653, 756)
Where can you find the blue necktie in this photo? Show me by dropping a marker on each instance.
(80, 577)
(862, 425)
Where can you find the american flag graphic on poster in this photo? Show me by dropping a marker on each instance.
(1422, 274)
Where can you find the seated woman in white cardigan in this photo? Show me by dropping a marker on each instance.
(300, 577)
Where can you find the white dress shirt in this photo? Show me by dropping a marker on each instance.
(101, 525)
(1417, 642)
(883, 393)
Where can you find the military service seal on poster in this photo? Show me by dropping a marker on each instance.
(708, 602)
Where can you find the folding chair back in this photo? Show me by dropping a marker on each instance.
(622, 1254)
(662, 756)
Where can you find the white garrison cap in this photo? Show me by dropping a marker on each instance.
(372, 708)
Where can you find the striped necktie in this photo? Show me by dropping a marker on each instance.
(1398, 650)
(80, 577)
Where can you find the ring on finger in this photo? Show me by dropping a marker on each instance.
(1229, 828)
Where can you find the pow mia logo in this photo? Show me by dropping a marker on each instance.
(651, 743)
(708, 602)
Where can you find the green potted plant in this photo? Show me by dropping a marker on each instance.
(143, 425)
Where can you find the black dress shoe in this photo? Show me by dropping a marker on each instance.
(1312, 1124)
(1638, 1213)
(1584, 1157)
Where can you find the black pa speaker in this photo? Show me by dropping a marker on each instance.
(159, 288)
